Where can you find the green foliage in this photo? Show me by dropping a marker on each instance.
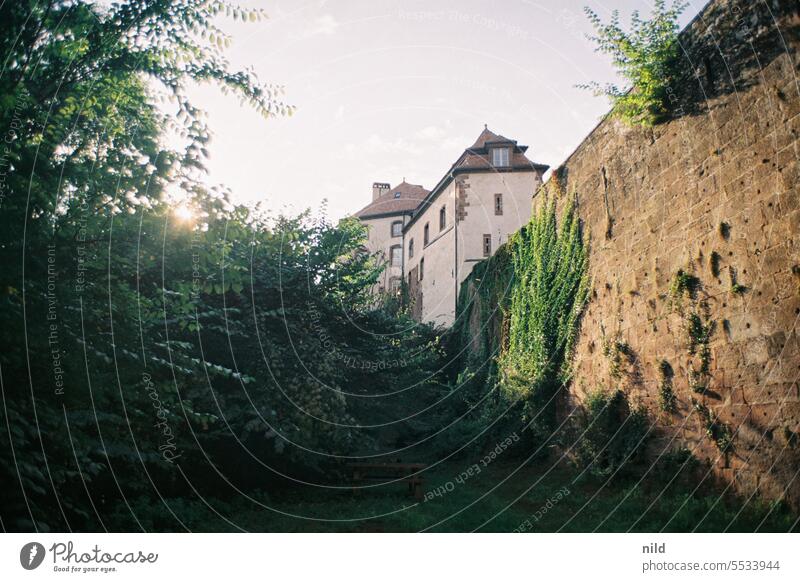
(682, 285)
(162, 348)
(612, 435)
(617, 352)
(647, 57)
(716, 430)
(685, 503)
(483, 303)
(699, 334)
(667, 401)
(551, 286)
(736, 287)
(698, 382)
(474, 343)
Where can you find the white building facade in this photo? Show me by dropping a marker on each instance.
(483, 198)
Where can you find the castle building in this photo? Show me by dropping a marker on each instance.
(386, 216)
(432, 239)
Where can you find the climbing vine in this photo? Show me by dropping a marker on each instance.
(667, 401)
(551, 286)
(617, 352)
(477, 334)
(716, 430)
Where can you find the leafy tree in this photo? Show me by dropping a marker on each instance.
(647, 56)
(120, 324)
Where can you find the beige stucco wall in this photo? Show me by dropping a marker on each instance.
(437, 285)
(380, 240)
(443, 277)
(517, 189)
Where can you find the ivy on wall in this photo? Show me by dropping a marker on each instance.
(551, 286)
(517, 317)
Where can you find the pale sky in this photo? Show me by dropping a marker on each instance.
(387, 89)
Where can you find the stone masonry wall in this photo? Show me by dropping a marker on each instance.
(713, 192)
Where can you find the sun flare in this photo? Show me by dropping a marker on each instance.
(184, 213)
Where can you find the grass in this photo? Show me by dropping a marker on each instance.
(503, 497)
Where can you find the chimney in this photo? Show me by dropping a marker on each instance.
(379, 189)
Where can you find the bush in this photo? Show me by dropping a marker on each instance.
(647, 57)
(612, 435)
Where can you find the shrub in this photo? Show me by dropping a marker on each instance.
(683, 284)
(613, 434)
(717, 431)
(647, 56)
(618, 353)
(667, 401)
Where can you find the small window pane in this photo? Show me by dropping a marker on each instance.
(397, 256)
(500, 157)
(498, 204)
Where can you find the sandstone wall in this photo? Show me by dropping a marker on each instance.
(713, 192)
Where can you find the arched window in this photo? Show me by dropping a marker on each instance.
(426, 234)
(442, 217)
(397, 228)
(411, 248)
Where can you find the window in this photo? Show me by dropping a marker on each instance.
(442, 217)
(487, 245)
(498, 204)
(397, 228)
(421, 268)
(394, 284)
(396, 253)
(411, 248)
(426, 234)
(500, 157)
(397, 194)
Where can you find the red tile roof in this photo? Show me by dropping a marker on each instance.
(410, 195)
(487, 136)
(478, 158)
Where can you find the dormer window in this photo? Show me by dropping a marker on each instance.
(397, 194)
(500, 157)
